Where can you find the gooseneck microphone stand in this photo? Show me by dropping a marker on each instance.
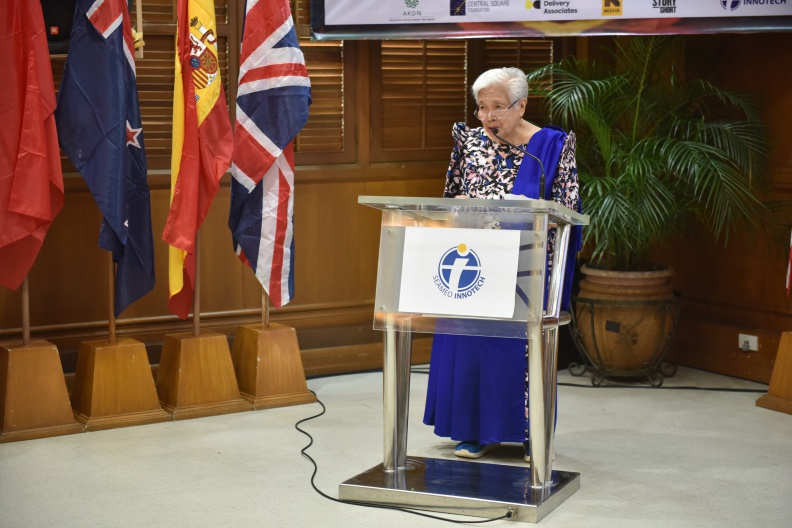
(525, 151)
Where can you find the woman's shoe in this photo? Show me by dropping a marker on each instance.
(472, 449)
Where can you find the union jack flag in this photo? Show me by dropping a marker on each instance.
(272, 107)
(106, 17)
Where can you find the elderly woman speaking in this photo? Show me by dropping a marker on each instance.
(477, 393)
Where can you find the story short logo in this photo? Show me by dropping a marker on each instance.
(730, 5)
(459, 273)
(664, 6)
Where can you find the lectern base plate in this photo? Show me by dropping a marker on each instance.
(461, 487)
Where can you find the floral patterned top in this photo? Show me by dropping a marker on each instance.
(482, 168)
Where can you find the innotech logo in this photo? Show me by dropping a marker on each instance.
(730, 5)
(459, 273)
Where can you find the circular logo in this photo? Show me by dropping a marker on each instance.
(730, 5)
(459, 269)
(530, 4)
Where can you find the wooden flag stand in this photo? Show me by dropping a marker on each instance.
(113, 384)
(34, 401)
(268, 364)
(196, 375)
(779, 396)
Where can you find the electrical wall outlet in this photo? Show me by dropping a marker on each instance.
(748, 343)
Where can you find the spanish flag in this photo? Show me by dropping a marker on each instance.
(202, 143)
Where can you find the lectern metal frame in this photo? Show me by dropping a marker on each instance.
(450, 485)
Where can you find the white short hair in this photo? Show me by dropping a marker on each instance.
(510, 79)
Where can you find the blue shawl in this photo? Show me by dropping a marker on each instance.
(547, 145)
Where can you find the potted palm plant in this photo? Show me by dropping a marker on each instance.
(660, 149)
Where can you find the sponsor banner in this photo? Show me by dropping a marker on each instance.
(462, 272)
(433, 19)
(377, 12)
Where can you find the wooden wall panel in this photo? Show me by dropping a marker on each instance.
(710, 344)
(337, 239)
(336, 246)
(740, 288)
(68, 276)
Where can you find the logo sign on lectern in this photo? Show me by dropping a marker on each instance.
(464, 272)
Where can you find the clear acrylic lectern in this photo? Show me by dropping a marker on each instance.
(530, 308)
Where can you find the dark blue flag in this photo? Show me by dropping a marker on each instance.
(99, 128)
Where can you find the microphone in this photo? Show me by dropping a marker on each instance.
(525, 151)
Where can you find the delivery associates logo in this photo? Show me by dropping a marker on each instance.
(459, 273)
(551, 7)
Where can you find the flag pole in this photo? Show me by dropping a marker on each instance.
(111, 321)
(139, 13)
(264, 308)
(197, 288)
(25, 312)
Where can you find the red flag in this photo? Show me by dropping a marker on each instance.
(202, 143)
(31, 182)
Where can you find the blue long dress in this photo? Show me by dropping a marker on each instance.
(477, 389)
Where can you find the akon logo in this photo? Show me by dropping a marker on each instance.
(412, 4)
(459, 273)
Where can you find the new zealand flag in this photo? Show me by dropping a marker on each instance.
(99, 128)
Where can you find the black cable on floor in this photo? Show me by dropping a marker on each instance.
(680, 387)
(508, 515)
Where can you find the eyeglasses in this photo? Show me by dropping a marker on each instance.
(497, 113)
